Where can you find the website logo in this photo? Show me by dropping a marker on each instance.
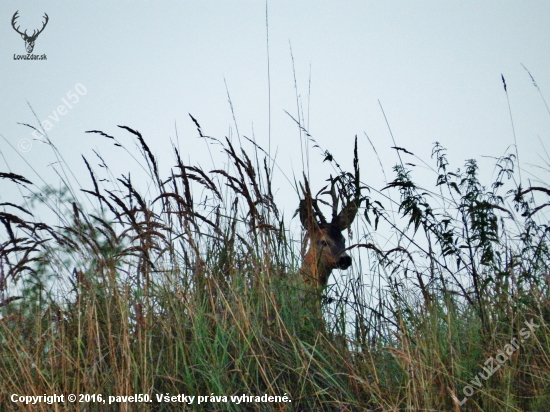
(29, 39)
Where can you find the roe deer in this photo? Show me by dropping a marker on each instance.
(326, 242)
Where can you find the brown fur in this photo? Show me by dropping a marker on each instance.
(318, 261)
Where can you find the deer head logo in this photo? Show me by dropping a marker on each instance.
(327, 246)
(29, 40)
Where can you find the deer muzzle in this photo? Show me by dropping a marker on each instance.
(344, 261)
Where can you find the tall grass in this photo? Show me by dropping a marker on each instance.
(195, 289)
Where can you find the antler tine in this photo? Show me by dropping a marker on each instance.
(35, 33)
(13, 19)
(45, 22)
(306, 207)
(310, 214)
(334, 197)
(319, 214)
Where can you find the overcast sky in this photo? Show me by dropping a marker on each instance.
(434, 66)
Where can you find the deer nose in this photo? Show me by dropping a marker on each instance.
(344, 262)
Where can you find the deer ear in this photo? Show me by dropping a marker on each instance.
(307, 216)
(307, 209)
(345, 218)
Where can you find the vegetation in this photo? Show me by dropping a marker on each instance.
(194, 289)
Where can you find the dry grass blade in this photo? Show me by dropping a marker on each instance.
(14, 178)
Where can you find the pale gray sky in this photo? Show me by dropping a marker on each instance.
(434, 65)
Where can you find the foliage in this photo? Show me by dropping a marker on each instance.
(195, 290)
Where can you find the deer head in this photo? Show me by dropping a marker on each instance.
(326, 242)
(29, 40)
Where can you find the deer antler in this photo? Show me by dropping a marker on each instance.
(15, 16)
(310, 213)
(36, 33)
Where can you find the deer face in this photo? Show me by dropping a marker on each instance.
(29, 40)
(326, 242)
(326, 252)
